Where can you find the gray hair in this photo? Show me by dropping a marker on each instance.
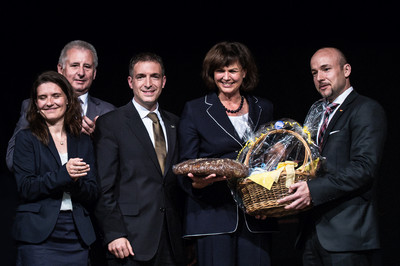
(79, 45)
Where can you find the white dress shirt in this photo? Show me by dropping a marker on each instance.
(240, 123)
(66, 203)
(148, 123)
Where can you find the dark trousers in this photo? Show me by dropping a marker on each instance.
(315, 255)
(241, 248)
(164, 255)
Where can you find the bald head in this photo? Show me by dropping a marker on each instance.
(334, 53)
(330, 72)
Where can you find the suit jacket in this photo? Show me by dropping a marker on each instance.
(345, 214)
(41, 181)
(205, 131)
(96, 107)
(137, 200)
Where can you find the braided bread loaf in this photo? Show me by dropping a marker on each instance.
(206, 166)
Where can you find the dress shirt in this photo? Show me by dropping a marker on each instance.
(240, 123)
(66, 203)
(148, 123)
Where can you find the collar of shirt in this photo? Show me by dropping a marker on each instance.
(143, 112)
(84, 102)
(148, 123)
(339, 100)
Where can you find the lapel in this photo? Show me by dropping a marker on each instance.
(53, 149)
(342, 109)
(170, 129)
(255, 111)
(72, 147)
(138, 129)
(92, 108)
(217, 113)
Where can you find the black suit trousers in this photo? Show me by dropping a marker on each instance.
(315, 255)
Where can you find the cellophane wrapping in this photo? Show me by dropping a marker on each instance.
(273, 145)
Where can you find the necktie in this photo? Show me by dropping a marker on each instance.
(159, 140)
(82, 106)
(328, 110)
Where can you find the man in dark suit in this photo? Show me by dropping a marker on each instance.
(139, 207)
(342, 227)
(78, 63)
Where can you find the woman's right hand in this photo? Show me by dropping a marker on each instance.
(202, 182)
(77, 168)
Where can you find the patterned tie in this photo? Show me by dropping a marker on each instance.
(328, 110)
(159, 140)
(81, 102)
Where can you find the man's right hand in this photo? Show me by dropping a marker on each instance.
(88, 126)
(120, 248)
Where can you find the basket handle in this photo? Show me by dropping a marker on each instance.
(307, 150)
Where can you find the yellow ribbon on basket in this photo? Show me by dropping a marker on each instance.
(266, 179)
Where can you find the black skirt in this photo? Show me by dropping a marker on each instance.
(62, 247)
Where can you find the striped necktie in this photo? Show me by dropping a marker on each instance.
(328, 110)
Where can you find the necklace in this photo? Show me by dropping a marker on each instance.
(237, 110)
(61, 141)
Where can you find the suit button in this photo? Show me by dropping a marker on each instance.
(162, 209)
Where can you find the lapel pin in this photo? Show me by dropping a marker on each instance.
(172, 126)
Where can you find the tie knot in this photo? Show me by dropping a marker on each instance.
(331, 107)
(153, 117)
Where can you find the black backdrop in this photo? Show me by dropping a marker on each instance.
(281, 36)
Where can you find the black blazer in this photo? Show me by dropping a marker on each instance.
(137, 199)
(345, 213)
(206, 131)
(96, 107)
(41, 181)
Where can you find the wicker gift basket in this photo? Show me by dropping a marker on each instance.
(279, 155)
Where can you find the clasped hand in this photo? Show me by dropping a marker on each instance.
(77, 168)
(88, 126)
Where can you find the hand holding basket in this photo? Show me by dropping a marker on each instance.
(260, 200)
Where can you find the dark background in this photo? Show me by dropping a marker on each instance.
(282, 36)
